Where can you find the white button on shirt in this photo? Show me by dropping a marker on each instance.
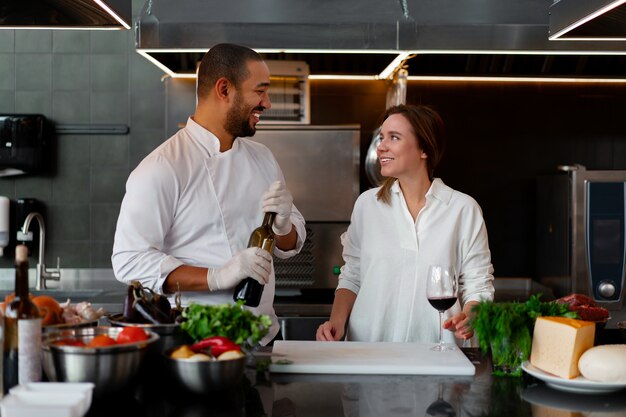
(188, 203)
(387, 256)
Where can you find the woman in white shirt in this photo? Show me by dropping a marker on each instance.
(397, 230)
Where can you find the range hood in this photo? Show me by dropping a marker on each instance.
(370, 38)
(588, 20)
(65, 14)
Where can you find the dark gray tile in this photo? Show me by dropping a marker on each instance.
(70, 72)
(144, 75)
(110, 41)
(68, 221)
(7, 69)
(108, 185)
(7, 101)
(142, 142)
(109, 151)
(70, 41)
(109, 108)
(109, 72)
(73, 254)
(71, 185)
(7, 41)
(70, 107)
(33, 102)
(73, 149)
(101, 254)
(7, 187)
(103, 221)
(137, 7)
(36, 187)
(147, 110)
(33, 71)
(33, 41)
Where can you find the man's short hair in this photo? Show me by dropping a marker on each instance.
(224, 60)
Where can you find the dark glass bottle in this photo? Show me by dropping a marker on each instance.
(22, 330)
(249, 290)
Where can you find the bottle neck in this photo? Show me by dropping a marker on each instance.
(268, 219)
(21, 279)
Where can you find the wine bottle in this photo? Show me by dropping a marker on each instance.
(249, 290)
(22, 330)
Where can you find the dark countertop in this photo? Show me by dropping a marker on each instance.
(287, 395)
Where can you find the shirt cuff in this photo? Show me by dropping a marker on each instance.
(168, 264)
(347, 285)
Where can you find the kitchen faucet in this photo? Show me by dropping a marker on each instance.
(43, 274)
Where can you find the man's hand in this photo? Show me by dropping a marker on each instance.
(278, 200)
(255, 263)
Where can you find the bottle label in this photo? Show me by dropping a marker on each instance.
(29, 350)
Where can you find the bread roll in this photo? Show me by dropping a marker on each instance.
(604, 363)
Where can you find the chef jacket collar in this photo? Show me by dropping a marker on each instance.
(205, 138)
(437, 190)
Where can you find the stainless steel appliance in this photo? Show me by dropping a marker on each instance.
(581, 232)
(321, 168)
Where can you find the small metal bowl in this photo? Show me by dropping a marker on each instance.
(171, 334)
(203, 377)
(110, 368)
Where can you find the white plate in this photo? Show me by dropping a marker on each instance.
(580, 384)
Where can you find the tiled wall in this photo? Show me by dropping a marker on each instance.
(81, 77)
(501, 137)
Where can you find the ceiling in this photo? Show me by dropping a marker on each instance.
(501, 38)
(65, 14)
(588, 20)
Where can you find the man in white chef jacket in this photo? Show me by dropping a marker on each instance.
(191, 204)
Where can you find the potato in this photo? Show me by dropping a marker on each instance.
(230, 354)
(182, 352)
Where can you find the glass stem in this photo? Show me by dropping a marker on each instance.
(441, 328)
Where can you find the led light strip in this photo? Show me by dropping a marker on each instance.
(400, 59)
(100, 3)
(556, 36)
(112, 13)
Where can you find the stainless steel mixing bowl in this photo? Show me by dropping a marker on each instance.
(202, 377)
(110, 368)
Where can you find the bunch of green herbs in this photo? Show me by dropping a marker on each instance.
(229, 320)
(506, 329)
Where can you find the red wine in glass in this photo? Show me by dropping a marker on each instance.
(442, 303)
(441, 291)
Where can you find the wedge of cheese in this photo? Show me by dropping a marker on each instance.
(558, 344)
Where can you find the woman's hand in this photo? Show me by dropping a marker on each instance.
(460, 325)
(328, 332)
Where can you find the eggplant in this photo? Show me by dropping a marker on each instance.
(143, 305)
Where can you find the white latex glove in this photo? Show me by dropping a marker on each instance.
(255, 263)
(278, 199)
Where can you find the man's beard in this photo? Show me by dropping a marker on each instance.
(238, 120)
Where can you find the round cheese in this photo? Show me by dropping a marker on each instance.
(604, 363)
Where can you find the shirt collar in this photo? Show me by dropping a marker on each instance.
(204, 137)
(437, 190)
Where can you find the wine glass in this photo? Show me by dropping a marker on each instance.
(441, 290)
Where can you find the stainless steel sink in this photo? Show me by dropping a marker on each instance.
(62, 295)
(300, 328)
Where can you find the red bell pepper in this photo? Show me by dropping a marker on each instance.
(216, 345)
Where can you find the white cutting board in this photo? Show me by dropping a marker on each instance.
(367, 358)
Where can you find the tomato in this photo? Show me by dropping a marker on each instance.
(69, 342)
(131, 334)
(101, 340)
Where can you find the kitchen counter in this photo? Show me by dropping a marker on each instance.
(282, 395)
